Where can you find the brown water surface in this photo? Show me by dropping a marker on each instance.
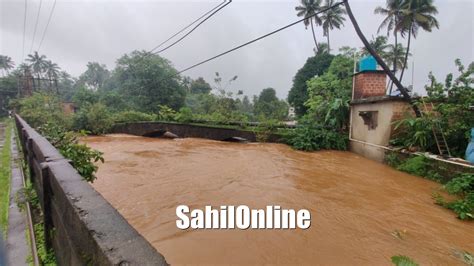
(363, 212)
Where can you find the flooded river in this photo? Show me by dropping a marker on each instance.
(363, 212)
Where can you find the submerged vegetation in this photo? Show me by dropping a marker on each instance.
(462, 186)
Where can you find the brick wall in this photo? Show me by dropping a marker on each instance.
(369, 84)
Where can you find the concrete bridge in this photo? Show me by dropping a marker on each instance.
(157, 129)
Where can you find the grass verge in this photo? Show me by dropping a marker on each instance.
(5, 173)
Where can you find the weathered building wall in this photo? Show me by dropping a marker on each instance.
(379, 130)
(372, 115)
(80, 225)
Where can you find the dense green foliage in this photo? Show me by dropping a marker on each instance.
(8, 91)
(311, 136)
(94, 118)
(148, 81)
(43, 112)
(461, 186)
(314, 66)
(40, 109)
(200, 86)
(325, 124)
(451, 101)
(268, 106)
(420, 166)
(67, 142)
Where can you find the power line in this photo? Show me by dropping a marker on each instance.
(183, 29)
(212, 14)
(259, 38)
(36, 26)
(47, 25)
(24, 31)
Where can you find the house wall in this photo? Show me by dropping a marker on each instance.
(369, 142)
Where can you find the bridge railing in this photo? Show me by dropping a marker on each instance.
(80, 225)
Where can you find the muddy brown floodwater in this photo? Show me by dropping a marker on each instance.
(363, 212)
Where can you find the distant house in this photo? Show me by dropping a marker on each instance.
(68, 107)
(291, 113)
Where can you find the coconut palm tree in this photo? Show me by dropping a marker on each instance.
(392, 13)
(6, 64)
(332, 18)
(414, 15)
(52, 72)
(37, 64)
(379, 44)
(392, 54)
(310, 8)
(379, 60)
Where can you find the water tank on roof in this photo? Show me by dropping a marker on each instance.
(367, 63)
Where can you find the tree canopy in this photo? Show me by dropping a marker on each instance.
(149, 81)
(314, 66)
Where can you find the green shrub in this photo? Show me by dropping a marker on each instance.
(132, 116)
(313, 137)
(185, 115)
(415, 132)
(420, 166)
(392, 159)
(82, 157)
(463, 187)
(401, 260)
(41, 108)
(166, 113)
(461, 184)
(94, 118)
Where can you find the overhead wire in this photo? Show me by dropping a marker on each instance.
(200, 23)
(47, 25)
(36, 25)
(186, 27)
(24, 31)
(259, 38)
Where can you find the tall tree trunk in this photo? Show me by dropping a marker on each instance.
(394, 60)
(314, 36)
(406, 54)
(39, 82)
(329, 46)
(384, 66)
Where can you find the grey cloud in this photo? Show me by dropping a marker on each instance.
(102, 31)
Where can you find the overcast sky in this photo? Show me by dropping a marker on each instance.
(102, 31)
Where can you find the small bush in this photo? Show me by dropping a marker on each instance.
(166, 113)
(94, 118)
(82, 157)
(392, 159)
(313, 137)
(420, 166)
(132, 116)
(401, 260)
(185, 115)
(41, 108)
(463, 187)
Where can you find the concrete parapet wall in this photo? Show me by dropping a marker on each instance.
(189, 131)
(80, 225)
